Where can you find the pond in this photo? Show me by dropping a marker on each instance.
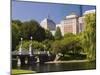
(57, 67)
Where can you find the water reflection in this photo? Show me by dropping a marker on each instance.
(52, 67)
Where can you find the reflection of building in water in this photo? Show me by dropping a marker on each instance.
(71, 24)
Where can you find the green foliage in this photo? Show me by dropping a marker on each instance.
(26, 30)
(56, 47)
(48, 35)
(72, 44)
(32, 28)
(18, 22)
(58, 34)
(47, 44)
(15, 34)
(67, 35)
(89, 36)
(67, 45)
(35, 45)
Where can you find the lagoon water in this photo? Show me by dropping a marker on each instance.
(57, 67)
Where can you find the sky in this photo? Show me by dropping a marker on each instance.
(24, 11)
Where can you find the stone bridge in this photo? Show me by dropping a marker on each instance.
(31, 55)
(27, 57)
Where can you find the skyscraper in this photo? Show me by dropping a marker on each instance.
(49, 25)
(70, 24)
(73, 23)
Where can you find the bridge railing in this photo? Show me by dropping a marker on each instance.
(26, 52)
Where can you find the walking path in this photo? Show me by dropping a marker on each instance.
(70, 61)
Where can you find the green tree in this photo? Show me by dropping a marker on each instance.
(56, 46)
(89, 36)
(18, 22)
(26, 30)
(58, 34)
(67, 35)
(35, 45)
(67, 45)
(48, 35)
(48, 44)
(32, 28)
(15, 35)
(72, 44)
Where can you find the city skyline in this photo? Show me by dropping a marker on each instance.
(28, 10)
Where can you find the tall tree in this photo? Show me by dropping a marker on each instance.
(48, 35)
(58, 34)
(26, 30)
(18, 22)
(32, 28)
(89, 36)
(15, 35)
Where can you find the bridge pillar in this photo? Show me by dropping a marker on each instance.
(18, 62)
(31, 60)
(26, 60)
(43, 58)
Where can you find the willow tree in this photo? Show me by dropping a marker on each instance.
(89, 36)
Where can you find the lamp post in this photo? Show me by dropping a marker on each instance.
(21, 41)
(20, 52)
(30, 47)
(20, 48)
(44, 48)
(31, 39)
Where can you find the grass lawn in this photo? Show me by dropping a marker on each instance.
(17, 72)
